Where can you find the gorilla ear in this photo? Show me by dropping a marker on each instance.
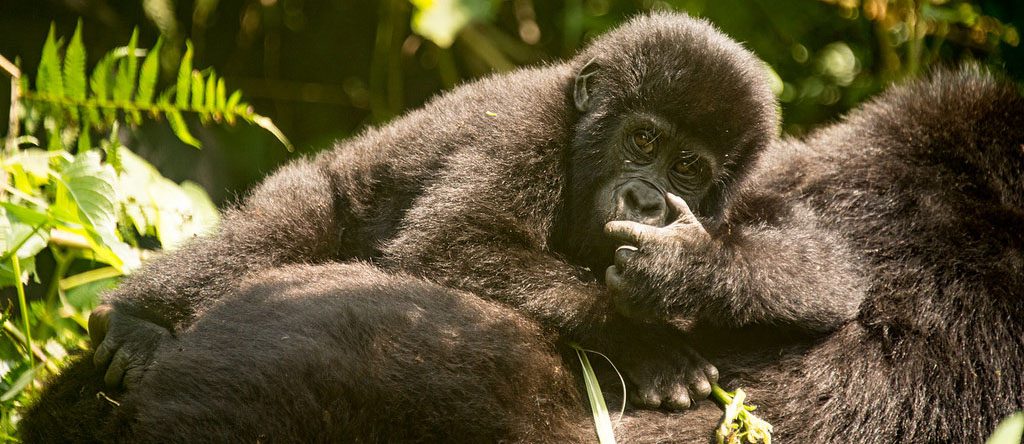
(580, 94)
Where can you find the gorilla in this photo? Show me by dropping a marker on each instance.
(900, 229)
(500, 188)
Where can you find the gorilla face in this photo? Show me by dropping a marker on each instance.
(685, 118)
(654, 158)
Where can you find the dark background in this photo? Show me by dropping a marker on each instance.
(324, 69)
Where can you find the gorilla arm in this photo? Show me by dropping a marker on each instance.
(289, 218)
(782, 269)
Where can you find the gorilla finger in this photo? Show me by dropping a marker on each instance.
(613, 279)
(99, 320)
(699, 386)
(103, 353)
(683, 214)
(678, 398)
(646, 399)
(132, 377)
(630, 233)
(625, 254)
(711, 372)
(118, 365)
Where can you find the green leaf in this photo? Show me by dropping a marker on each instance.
(230, 107)
(74, 66)
(84, 142)
(100, 81)
(127, 69)
(184, 78)
(441, 20)
(19, 384)
(197, 90)
(602, 420)
(150, 71)
(48, 77)
(1009, 431)
(222, 96)
(211, 91)
(87, 194)
(267, 124)
(180, 128)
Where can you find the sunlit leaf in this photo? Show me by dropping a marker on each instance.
(441, 20)
(184, 78)
(1009, 431)
(74, 66)
(180, 128)
(48, 77)
(149, 74)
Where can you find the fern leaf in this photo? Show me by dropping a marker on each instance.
(222, 95)
(197, 91)
(150, 71)
(180, 128)
(84, 142)
(124, 82)
(211, 91)
(181, 89)
(74, 66)
(99, 83)
(267, 124)
(230, 107)
(48, 78)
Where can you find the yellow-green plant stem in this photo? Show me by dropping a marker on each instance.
(739, 424)
(23, 305)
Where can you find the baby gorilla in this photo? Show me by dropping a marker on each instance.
(500, 188)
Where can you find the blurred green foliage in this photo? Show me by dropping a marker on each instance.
(323, 69)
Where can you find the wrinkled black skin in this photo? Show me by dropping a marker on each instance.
(902, 226)
(500, 188)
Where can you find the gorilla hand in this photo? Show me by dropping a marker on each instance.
(125, 342)
(662, 370)
(644, 280)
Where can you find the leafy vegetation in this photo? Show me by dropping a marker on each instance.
(83, 211)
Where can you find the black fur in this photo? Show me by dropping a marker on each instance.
(902, 225)
(500, 188)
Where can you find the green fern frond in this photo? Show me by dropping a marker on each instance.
(119, 88)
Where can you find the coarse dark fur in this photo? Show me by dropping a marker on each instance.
(920, 190)
(448, 367)
(904, 225)
(500, 188)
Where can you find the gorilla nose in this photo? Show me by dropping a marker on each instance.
(641, 202)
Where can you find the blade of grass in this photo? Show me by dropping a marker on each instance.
(602, 420)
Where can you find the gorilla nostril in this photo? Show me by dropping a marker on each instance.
(641, 202)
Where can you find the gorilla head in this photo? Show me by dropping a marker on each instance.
(668, 105)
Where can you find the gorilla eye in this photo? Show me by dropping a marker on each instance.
(644, 140)
(689, 165)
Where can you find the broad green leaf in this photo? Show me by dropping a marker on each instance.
(1009, 431)
(441, 20)
(87, 193)
(48, 77)
(148, 76)
(74, 66)
(180, 128)
(184, 78)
